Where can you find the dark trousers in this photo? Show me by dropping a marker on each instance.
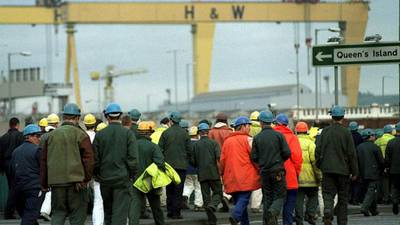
(66, 201)
(274, 194)
(288, 207)
(211, 200)
(174, 195)
(11, 199)
(116, 200)
(370, 200)
(384, 189)
(395, 179)
(356, 192)
(311, 206)
(241, 201)
(28, 205)
(333, 184)
(138, 198)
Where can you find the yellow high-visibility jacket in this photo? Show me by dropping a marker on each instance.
(310, 175)
(155, 137)
(382, 142)
(153, 178)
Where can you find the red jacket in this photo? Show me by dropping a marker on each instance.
(237, 170)
(293, 164)
(219, 132)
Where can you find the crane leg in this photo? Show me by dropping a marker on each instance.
(74, 62)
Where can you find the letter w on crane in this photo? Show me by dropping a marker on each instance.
(238, 11)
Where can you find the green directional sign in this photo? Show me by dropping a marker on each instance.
(330, 55)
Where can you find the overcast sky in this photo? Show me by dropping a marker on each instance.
(245, 55)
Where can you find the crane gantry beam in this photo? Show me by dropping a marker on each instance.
(352, 17)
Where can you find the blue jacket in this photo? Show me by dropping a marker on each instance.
(25, 166)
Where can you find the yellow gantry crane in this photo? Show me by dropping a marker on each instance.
(202, 16)
(109, 76)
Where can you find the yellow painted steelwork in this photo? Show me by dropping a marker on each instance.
(205, 14)
(71, 48)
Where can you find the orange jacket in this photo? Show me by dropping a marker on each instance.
(219, 132)
(237, 170)
(293, 164)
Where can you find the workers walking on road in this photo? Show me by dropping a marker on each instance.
(270, 151)
(25, 167)
(371, 165)
(206, 155)
(148, 153)
(384, 184)
(292, 167)
(392, 161)
(309, 179)
(135, 117)
(240, 175)
(256, 196)
(67, 167)
(219, 133)
(176, 146)
(192, 183)
(8, 143)
(116, 155)
(336, 158)
(355, 189)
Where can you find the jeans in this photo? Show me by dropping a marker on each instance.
(174, 195)
(239, 212)
(288, 207)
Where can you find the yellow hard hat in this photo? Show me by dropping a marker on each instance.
(43, 122)
(153, 125)
(254, 115)
(101, 126)
(89, 119)
(193, 131)
(145, 126)
(53, 118)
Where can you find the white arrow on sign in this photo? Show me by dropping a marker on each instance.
(321, 57)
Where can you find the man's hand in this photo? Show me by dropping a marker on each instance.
(353, 178)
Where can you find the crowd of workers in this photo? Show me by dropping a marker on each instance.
(54, 169)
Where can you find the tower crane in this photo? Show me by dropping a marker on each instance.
(109, 76)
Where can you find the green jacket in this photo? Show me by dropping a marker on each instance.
(148, 153)
(176, 147)
(310, 175)
(255, 128)
(116, 155)
(335, 152)
(134, 128)
(383, 141)
(370, 161)
(393, 156)
(67, 156)
(206, 154)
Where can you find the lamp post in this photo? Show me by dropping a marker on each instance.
(338, 40)
(175, 53)
(9, 76)
(317, 70)
(188, 84)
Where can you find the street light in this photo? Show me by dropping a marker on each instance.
(317, 70)
(175, 52)
(374, 38)
(188, 84)
(23, 53)
(339, 40)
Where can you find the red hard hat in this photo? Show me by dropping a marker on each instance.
(301, 127)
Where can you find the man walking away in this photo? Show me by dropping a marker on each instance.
(269, 152)
(336, 157)
(392, 160)
(206, 155)
(67, 167)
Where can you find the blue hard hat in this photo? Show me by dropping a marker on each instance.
(176, 117)
(388, 128)
(203, 126)
(397, 126)
(353, 125)
(113, 108)
(31, 129)
(367, 132)
(379, 133)
(72, 109)
(184, 124)
(282, 119)
(337, 111)
(242, 120)
(266, 116)
(134, 114)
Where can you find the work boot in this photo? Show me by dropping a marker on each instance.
(233, 221)
(395, 209)
(225, 205)
(272, 219)
(374, 213)
(310, 219)
(185, 204)
(364, 212)
(328, 219)
(212, 219)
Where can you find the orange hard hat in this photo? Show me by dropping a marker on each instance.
(301, 127)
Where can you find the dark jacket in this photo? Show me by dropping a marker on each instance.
(25, 166)
(176, 147)
(191, 170)
(270, 151)
(148, 153)
(335, 152)
(116, 155)
(357, 139)
(67, 157)
(8, 142)
(134, 128)
(370, 161)
(392, 158)
(206, 154)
